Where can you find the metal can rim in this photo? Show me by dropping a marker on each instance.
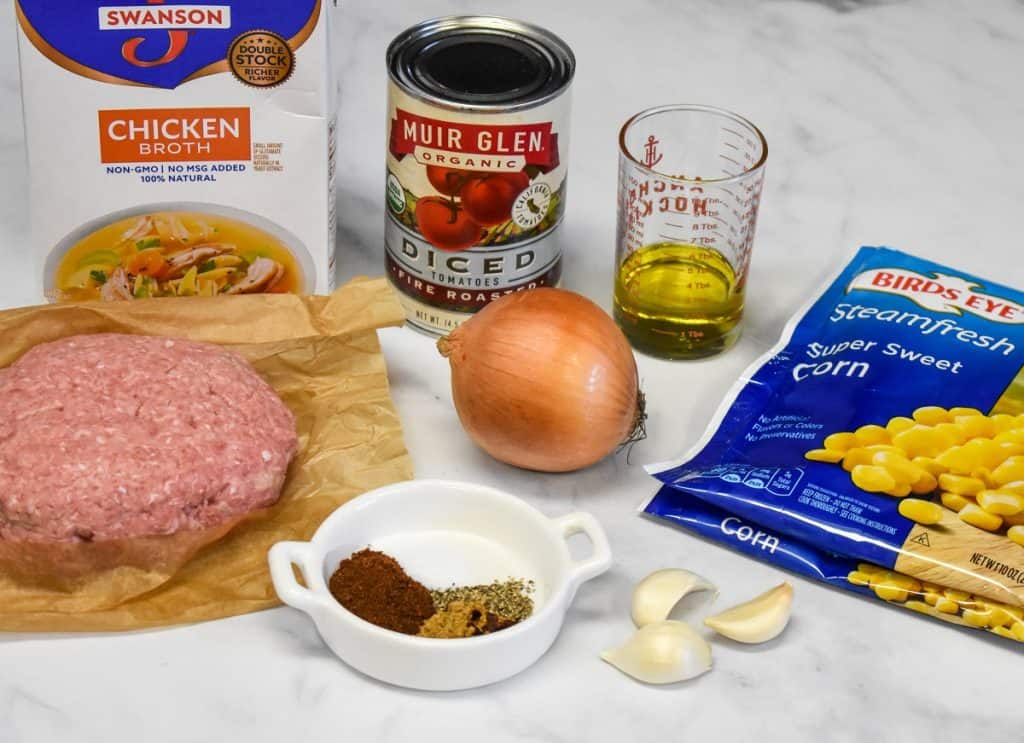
(563, 67)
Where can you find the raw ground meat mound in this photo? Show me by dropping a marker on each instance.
(112, 436)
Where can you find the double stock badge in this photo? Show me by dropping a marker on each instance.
(163, 45)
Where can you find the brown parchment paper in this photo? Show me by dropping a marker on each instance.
(322, 356)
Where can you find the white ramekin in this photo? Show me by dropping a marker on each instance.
(442, 533)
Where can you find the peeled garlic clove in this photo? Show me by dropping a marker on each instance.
(655, 595)
(662, 653)
(758, 620)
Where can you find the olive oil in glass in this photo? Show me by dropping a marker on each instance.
(690, 181)
(678, 301)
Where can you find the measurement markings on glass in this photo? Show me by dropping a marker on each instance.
(734, 162)
(746, 140)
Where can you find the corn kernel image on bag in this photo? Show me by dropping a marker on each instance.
(887, 427)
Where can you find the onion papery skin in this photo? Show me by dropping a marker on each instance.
(544, 380)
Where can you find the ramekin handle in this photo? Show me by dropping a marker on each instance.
(281, 557)
(601, 557)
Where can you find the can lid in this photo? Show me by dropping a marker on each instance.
(480, 62)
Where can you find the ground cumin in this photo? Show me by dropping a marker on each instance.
(464, 619)
(374, 587)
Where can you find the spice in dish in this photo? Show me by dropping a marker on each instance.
(464, 619)
(509, 598)
(374, 587)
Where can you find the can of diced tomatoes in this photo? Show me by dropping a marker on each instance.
(478, 117)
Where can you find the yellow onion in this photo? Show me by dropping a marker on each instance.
(544, 380)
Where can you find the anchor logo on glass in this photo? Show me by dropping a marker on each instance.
(651, 155)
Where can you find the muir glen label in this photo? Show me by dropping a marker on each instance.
(474, 193)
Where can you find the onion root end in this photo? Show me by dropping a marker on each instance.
(639, 430)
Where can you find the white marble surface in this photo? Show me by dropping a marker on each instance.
(888, 122)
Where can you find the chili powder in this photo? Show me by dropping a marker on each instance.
(374, 587)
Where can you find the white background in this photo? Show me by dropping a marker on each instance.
(888, 123)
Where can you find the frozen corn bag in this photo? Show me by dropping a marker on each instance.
(873, 581)
(886, 426)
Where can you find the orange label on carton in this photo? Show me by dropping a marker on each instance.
(174, 135)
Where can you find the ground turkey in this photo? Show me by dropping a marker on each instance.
(108, 436)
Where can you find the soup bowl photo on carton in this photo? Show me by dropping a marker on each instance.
(298, 251)
(442, 533)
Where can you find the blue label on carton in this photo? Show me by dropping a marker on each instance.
(157, 43)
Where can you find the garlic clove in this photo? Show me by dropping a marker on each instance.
(662, 653)
(656, 595)
(758, 620)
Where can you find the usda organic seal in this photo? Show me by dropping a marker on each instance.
(396, 195)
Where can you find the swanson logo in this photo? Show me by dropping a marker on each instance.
(939, 292)
(117, 17)
(175, 18)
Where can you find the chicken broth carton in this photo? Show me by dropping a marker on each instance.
(179, 149)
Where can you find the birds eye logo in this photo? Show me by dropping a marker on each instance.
(940, 293)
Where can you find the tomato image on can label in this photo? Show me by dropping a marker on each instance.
(475, 168)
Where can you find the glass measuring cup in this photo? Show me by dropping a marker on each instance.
(689, 188)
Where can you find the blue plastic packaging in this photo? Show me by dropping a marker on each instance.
(863, 579)
(895, 342)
